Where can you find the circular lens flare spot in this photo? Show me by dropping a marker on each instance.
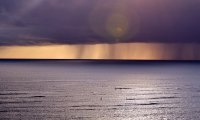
(114, 22)
(117, 26)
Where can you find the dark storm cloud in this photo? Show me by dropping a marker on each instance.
(27, 22)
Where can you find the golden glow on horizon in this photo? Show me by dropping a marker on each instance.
(138, 51)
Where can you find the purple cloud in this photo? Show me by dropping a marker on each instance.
(31, 22)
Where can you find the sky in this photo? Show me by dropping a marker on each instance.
(47, 23)
(123, 51)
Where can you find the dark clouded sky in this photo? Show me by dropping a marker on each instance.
(28, 22)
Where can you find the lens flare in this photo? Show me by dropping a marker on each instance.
(117, 26)
(97, 20)
(114, 21)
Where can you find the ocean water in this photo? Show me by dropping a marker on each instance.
(90, 91)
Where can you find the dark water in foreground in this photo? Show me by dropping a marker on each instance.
(39, 91)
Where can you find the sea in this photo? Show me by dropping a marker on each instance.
(99, 90)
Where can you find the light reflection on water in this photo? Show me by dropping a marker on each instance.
(99, 92)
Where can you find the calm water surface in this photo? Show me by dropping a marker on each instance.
(59, 91)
